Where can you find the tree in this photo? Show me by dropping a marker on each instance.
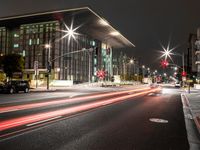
(12, 63)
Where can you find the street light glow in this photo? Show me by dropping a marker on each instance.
(131, 61)
(47, 46)
(70, 32)
(167, 53)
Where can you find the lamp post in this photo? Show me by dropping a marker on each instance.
(131, 61)
(70, 32)
(78, 51)
(148, 69)
(167, 53)
(89, 51)
(48, 48)
(143, 69)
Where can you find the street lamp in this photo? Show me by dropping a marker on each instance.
(131, 61)
(70, 32)
(89, 51)
(143, 69)
(48, 48)
(168, 52)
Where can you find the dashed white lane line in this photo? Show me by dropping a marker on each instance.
(158, 120)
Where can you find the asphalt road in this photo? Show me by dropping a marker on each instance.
(119, 126)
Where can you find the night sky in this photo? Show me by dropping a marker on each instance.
(146, 23)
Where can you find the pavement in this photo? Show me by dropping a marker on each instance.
(92, 86)
(192, 99)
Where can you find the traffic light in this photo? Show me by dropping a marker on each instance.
(164, 63)
(184, 74)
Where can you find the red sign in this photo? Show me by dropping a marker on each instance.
(101, 74)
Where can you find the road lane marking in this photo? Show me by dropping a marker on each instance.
(158, 120)
(46, 120)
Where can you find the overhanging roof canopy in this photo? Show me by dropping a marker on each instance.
(91, 24)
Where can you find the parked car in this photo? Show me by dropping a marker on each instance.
(177, 84)
(15, 86)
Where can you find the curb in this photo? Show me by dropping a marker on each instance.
(195, 118)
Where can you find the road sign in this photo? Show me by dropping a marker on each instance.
(189, 81)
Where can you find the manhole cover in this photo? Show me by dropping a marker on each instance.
(158, 120)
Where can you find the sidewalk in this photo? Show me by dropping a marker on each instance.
(192, 99)
(91, 87)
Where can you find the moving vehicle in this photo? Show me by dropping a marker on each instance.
(15, 86)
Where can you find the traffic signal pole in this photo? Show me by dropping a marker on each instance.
(48, 67)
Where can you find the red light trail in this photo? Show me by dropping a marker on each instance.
(16, 122)
(55, 102)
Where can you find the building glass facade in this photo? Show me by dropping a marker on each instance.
(27, 35)
(3, 40)
(29, 41)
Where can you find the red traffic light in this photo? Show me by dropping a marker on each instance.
(164, 63)
(184, 74)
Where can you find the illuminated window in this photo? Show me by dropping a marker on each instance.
(16, 45)
(24, 53)
(38, 41)
(95, 71)
(30, 41)
(95, 61)
(41, 29)
(16, 35)
(92, 43)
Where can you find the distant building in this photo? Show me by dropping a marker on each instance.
(126, 66)
(191, 57)
(197, 53)
(28, 34)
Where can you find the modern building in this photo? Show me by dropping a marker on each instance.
(80, 42)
